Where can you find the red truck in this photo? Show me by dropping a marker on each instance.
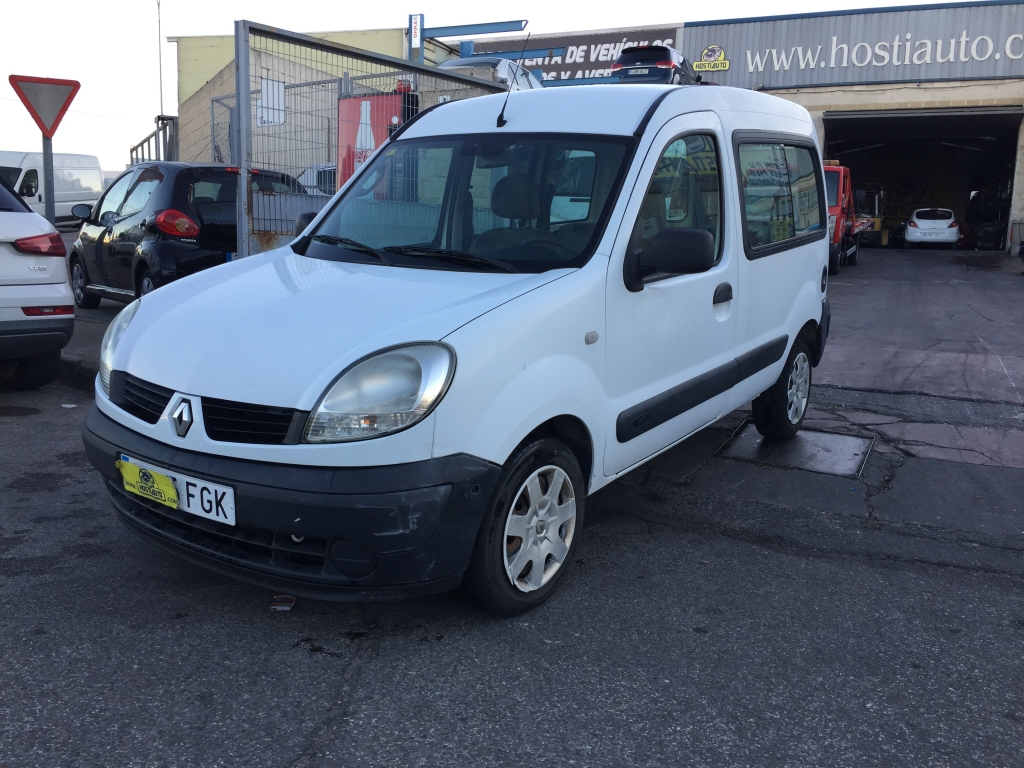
(843, 228)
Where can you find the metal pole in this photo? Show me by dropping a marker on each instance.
(243, 126)
(51, 213)
(160, 55)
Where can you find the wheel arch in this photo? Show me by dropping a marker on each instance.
(573, 431)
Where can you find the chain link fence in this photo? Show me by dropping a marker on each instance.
(315, 112)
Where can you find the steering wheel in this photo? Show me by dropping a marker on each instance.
(551, 244)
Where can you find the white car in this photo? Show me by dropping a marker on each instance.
(37, 308)
(932, 226)
(506, 71)
(427, 384)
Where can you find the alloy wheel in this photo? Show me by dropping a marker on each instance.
(539, 528)
(146, 286)
(798, 388)
(78, 282)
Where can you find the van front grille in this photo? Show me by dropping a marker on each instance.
(231, 422)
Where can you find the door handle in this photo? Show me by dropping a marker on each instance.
(723, 293)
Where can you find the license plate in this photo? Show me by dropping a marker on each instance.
(189, 494)
(639, 71)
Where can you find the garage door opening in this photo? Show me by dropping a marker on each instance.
(899, 160)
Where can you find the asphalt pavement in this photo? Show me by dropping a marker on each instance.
(718, 613)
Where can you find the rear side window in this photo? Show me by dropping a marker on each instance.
(9, 201)
(144, 188)
(933, 214)
(212, 195)
(781, 196)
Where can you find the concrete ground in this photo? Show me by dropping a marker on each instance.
(718, 613)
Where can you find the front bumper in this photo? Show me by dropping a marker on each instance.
(365, 533)
(20, 339)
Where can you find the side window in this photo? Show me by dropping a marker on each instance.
(30, 184)
(148, 181)
(685, 191)
(114, 197)
(780, 193)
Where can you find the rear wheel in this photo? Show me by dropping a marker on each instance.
(779, 411)
(78, 283)
(531, 529)
(35, 372)
(834, 257)
(144, 284)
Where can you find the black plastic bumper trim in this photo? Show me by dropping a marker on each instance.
(413, 524)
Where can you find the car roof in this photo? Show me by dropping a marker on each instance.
(612, 109)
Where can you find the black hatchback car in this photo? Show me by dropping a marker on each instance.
(654, 64)
(157, 222)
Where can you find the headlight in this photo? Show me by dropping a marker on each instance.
(831, 226)
(383, 393)
(110, 341)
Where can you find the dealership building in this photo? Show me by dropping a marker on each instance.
(923, 103)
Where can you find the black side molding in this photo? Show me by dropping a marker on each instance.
(655, 411)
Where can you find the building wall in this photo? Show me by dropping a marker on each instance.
(202, 58)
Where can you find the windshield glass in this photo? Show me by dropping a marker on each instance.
(832, 188)
(9, 174)
(648, 55)
(531, 202)
(933, 214)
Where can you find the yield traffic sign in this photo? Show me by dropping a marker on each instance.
(45, 98)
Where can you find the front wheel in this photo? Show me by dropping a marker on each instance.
(779, 411)
(145, 284)
(529, 534)
(834, 257)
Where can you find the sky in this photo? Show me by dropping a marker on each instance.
(112, 47)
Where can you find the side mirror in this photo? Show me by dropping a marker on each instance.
(303, 220)
(108, 218)
(673, 251)
(82, 211)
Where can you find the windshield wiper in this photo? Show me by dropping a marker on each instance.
(451, 257)
(354, 245)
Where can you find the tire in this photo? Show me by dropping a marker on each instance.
(35, 372)
(78, 282)
(144, 284)
(779, 411)
(503, 572)
(833, 262)
(851, 260)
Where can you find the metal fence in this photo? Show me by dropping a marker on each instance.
(161, 144)
(315, 112)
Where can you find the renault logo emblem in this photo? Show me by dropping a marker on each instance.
(182, 418)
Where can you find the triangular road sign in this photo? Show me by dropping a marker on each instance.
(45, 98)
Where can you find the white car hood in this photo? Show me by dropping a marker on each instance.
(277, 328)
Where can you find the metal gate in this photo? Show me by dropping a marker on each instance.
(315, 111)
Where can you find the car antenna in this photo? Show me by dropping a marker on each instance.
(501, 116)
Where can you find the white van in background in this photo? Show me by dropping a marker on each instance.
(76, 179)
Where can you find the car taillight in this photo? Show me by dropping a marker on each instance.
(912, 224)
(176, 223)
(616, 67)
(42, 245)
(46, 311)
(664, 64)
(952, 225)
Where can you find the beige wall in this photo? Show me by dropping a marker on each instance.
(976, 93)
(201, 58)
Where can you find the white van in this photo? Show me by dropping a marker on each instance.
(424, 387)
(76, 179)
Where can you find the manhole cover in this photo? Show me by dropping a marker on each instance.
(814, 451)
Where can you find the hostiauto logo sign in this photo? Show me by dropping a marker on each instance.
(954, 42)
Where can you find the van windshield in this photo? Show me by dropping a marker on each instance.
(832, 188)
(514, 202)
